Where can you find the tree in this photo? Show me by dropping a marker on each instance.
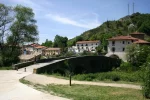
(23, 28)
(17, 26)
(146, 78)
(137, 54)
(60, 42)
(145, 27)
(47, 43)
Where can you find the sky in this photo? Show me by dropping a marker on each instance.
(71, 18)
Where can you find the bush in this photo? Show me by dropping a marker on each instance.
(146, 80)
(112, 76)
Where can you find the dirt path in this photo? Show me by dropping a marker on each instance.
(44, 80)
(12, 89)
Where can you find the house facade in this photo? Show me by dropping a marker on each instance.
(118, 44)
(85, 46)
(52, 51)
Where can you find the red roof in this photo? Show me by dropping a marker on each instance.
(34, 45)
(139, 41)
(137, 33)
(79, 42)
(49, 49)
(123, 38)
(40, 47)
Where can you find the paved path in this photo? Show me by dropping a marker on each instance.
(44, 80)
(12, 89)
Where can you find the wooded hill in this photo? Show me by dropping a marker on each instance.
(123, 26)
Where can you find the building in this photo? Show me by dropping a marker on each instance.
(40, 49)
(52, 51)
(85, 46)
(29, 49)
(117, 45)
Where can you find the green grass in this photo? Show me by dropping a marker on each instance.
(22, 80)
(113, 76)
(87, 92)
(6, 68)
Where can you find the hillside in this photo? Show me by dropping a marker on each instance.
(123, 26)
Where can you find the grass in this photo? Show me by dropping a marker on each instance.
(6, 68)
(113, 76)
(88, 92)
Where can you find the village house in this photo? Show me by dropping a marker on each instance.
(85, 46)
(52, 51)
(117, 45)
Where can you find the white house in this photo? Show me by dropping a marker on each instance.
(117, 45)
(85, 46)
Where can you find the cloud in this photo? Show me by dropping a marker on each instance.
(83, 23)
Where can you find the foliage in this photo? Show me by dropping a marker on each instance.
(108, 29)
(60, 42)
(17, 26)
(137, 54)
(47, 43)
(111, 76)
(74, 40)
(146, 78)
(127, 67)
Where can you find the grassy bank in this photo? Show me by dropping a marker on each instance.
(87, 92)
(6, 68)
(113, 76)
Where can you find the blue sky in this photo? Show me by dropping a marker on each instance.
(72, 17)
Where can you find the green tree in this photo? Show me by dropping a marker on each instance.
(17, 26)
(60, 42)
(145, 27)
(137, 54)
(47, 43)
(24, 27)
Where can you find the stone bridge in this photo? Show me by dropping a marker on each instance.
(84, 64)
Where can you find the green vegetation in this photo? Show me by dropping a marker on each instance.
(47, 43)
(18, 26)
(87, 92)
(6, 68)
(123, 26)
(109, 76)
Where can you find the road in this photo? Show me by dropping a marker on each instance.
(12, 89)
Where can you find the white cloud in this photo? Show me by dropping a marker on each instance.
(84, 24)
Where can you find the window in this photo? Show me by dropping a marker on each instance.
(132, 40)
(113, 49)
(113, 43)
(123, 49)
(86, 45)
(128, 42)
(122, 42)
(81, 44)
(96, 43)
(82, 47)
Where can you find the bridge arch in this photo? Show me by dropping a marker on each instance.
(114, 56)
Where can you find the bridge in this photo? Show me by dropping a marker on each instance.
(78, 65)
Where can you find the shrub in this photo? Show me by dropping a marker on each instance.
(146, 83)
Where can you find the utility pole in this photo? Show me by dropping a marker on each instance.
(128, 9)
(133, 7)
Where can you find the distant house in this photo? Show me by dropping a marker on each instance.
(29, 49)
(40, 49)
(85, 46)
(52, 51)
(117, 45)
